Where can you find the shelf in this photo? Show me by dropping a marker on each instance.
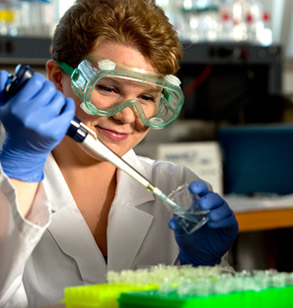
(231, 53)
(234, 54)
(28, 50)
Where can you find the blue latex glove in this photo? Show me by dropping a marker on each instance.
(208, 244)
(36, 119)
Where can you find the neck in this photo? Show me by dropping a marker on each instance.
(78, 168)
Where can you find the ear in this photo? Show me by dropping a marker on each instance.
(55, 74)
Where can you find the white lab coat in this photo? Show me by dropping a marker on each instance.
(54, 247)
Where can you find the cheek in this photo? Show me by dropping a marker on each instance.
(102, 101)
(139, 126)
(142, 133)
(68, 92)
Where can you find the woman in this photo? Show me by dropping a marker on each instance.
(67, 217)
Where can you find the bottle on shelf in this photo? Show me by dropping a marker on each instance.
(36, 18)
(9, 10)
(201, 19)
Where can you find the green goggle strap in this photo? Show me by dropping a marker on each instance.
(66, 68)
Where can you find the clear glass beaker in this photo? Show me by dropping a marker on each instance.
(190, 216)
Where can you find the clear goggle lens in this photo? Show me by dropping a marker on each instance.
(104, 87)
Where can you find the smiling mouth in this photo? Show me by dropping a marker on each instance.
(112, 135)
(112, 131)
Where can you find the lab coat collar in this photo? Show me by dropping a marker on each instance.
(128, 188)
(127, 224)
(56, 186)
(68, 225)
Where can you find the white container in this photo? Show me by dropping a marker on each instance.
(203, 158)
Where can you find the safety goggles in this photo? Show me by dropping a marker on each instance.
(106, 88)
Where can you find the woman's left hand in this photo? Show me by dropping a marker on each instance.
(208, 244)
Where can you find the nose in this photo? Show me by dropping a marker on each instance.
(127, 115)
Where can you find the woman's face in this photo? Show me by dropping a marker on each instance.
(124, 130)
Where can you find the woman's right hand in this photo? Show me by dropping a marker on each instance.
(36, 119)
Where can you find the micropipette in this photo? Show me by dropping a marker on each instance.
(88, 139)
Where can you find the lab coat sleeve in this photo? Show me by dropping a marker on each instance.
(18, 238)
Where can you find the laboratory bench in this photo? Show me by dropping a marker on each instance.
(267, 219)
(263, 212)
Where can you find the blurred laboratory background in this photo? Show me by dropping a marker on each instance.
(236, 128)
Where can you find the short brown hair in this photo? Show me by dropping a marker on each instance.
(138, 23)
